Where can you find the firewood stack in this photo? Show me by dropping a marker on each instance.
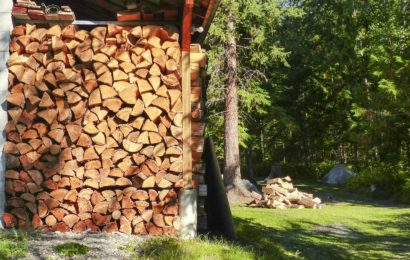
(198, 77)
(30, 10)
(279, 193)
(94, 138)
(136, 11)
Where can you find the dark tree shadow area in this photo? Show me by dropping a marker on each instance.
(336, 194)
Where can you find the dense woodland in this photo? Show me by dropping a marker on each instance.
(318, 83)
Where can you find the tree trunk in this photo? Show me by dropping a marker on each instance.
(356, 155)
(249, 163)
(232, 171)
(262, 136)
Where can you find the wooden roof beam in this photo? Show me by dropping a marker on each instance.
(210, 14)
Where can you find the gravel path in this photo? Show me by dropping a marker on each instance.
(103, 245)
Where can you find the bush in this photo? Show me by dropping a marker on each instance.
(313, 171)
(296, 170)
(261, 170)
(405, 192)
(387, 178)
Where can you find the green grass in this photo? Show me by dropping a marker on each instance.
(164, 248)
(349, 227)
(71, 249)
(13, 244)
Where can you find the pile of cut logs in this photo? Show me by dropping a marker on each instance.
(29, 10)
(94, 138)
(149, 12)
(279, 193)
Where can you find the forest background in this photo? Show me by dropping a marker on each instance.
(319, 82)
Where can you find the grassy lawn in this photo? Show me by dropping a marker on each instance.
(349, 227)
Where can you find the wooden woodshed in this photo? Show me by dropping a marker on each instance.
(102, 115)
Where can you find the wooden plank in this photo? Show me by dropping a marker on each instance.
(186, 25)
(186, 129)
(186, 94)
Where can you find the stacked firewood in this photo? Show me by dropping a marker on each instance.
(94, 138)
(279, 193)
(136, 11)
(30, 10)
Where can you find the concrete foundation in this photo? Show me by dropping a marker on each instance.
(188, 213)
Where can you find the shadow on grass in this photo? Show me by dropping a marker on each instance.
(336, 194)
(327, 242)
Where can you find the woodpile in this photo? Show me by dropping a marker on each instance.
(198, 75)
(279, 193)
(30, 10)
(148, 12)
(94, 134)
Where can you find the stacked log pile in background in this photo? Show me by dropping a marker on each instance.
(279, 193)
(94, 139)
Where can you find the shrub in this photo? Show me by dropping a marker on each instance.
(387, 178)
(405, 192)
(261, 170)
(296, 170)
(72, 249)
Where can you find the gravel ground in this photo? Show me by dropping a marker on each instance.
(103, 245)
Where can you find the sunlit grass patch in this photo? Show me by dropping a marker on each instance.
(13, 244)
(72, 249)
(198, 248)
(349, 227)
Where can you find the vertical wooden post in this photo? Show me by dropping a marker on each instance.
(186, 93)
(187, 196)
